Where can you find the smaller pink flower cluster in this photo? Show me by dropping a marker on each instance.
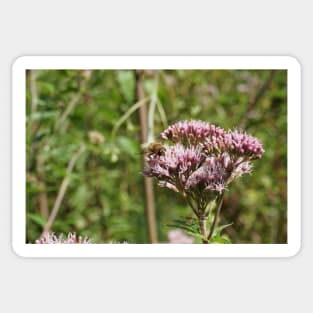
(244, 144)
(213, 138)
(212, 175)
(216, 173)
(235, 142)
(175, 165)
(191, 132)
(179, 237)
(51, 238)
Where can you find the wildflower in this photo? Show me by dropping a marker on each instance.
(236, 143)
(178, 236)
(191, 132)
(173, 168)
(200, 162)
(244, 144)
(51, 238)
(204, 158)
(213, 175)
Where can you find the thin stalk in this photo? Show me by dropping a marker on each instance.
(151, 112)
(62, 190)
(202, 224)
(210, 205)
(74, 101)
(42, 196)
(148, 185)
(33, 91)
(32, 124)
(127, 114)
(162, 114)
(191, 205)
(217, 212)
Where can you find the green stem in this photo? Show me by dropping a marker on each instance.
(202, 224)
(127, 114)
(162, 114)
(152, 106)
(218, 209)
(191, 205)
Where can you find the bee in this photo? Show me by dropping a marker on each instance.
(154, 148)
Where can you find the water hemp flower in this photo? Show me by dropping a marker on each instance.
(178, 236)
(199, 161)
(51, 238)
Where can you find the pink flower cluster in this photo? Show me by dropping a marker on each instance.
(212, 175)
(174, 166)
(191, 132)
(244, 144)
(179, 237)
(51, 238)
(235, 142)
(203, 159)
(216, 173)
(213, 138)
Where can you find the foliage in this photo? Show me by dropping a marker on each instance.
(68, 109)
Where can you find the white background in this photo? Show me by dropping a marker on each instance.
(160, 27)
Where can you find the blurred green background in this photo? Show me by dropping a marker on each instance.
(104, 194)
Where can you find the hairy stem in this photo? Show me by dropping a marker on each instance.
(217, 212)
(186, 197)
(202, 224)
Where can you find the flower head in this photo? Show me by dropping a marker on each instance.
(174, 166)
(178, 236)
(213, 175)
(202, 160)
(191, 132)
(244, 144)
(51, 238)
(236, 143)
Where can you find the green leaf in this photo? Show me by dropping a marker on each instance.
(220, 239)
(39, 220)
(219, 229)
(190, 226)
(195, 235)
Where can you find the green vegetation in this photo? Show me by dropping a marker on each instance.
(84, 154)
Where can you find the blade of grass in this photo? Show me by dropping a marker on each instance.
(162, 114)
(127, 114)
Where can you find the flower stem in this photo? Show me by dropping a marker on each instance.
(217, 212)
(202, 224)
(148, 185)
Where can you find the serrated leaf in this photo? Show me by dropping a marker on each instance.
(180, 226)
(219, 229)
(196, 235)
(191, 226)
(220, 239)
